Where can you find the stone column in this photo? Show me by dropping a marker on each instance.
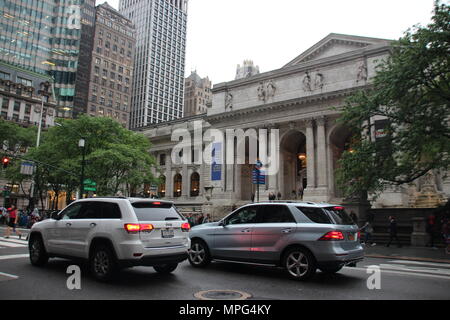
(321, 154)
(169, 176)
(310, 172)
(186, 183)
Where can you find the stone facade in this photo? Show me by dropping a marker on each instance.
(300, 100)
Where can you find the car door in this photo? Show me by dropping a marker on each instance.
(275, 225)
(59, 235)
(233, 239)
(83, 226)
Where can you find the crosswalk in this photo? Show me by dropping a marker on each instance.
(13, 242)
(408, 267)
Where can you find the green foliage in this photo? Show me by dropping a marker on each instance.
(412, 91)
(115, 157)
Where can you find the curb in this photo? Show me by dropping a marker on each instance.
(408, 258)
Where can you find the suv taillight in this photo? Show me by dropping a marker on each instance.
(185, 227)
(332, 236)
(136, 228)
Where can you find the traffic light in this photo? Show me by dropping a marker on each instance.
(5, 162)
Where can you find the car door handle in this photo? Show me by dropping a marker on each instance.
(68, 224)
(247, 231)
(93, 225)
(287, 230)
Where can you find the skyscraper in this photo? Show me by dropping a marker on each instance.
(197, 95)
(111, 66)
(158, 82)
(44, 37)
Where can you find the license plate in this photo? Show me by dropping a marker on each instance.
(168, 233)
(351, 237)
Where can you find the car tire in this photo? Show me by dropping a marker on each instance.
(102, 263)
(38, 254)
(331, 269)
(299, 264)
(166, 268)
(199, 255)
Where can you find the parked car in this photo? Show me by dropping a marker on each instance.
(113, 233)
(297, 236)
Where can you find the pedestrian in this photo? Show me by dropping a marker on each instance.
(3, 215)
(253, 197)
(431, 230)
(446, 234)
(233, 208)
(300, 193)
(368, 231)
(354, 217)
(393, 232)
(279, 195)
(207, 219)
(13, 220)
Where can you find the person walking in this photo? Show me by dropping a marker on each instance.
(446, 234)
(431, 230)
(279, 196)
(393, 232)
(13, 220)
(354, 217)
(368, 231)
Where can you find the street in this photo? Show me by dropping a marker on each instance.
(400, 280)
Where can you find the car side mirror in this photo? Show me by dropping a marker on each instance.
(222, 223)
(55, 215)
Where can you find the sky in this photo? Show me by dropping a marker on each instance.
(223, 33)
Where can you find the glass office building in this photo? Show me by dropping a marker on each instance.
(158, 82)
(44, 36)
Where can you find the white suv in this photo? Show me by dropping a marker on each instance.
(113, 233)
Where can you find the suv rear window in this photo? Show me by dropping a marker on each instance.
(151, 211)
(339, 216)
(316, 215)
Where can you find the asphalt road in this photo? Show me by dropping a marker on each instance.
(399, 280)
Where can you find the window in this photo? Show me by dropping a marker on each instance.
(5, 76)
(243, 216)
(275, 214)
(195, 184)
(177, 185)
(16, 106)
(71, 212)
(25, 82)
(162, 159)
(155, 211)
(339, 215)
(316, 215)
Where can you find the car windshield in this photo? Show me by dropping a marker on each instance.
(155, 211)
(339, 215)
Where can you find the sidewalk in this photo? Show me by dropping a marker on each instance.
(408, 253)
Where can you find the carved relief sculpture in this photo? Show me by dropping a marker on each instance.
(271, 89)
(362, 72)
(307, 82)
(261, 92)
(318, 81)
(228, 100)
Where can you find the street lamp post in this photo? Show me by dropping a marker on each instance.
(82, 145)
(44, 92)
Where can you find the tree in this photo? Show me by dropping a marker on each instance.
(411, 92)
(114, 156)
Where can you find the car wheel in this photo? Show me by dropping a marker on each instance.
(299, 264)
(102, 263)
(199, 254)
(331, 269)
(38, 255)
(166, 268)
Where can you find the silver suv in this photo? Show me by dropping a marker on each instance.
(298, 236)
(112, 233)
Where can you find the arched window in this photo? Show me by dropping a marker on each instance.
(162, 187)
(177, 185)
(195, 184)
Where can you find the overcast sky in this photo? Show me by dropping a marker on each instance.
(223, 33)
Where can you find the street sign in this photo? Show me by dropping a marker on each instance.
(89, 182)
(90, 189)
(27, 168)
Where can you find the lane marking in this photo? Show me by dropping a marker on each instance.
(14, 256)
(442, 265)
(24, 242)
(11, 245)
(9, 275)
(425, 275)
